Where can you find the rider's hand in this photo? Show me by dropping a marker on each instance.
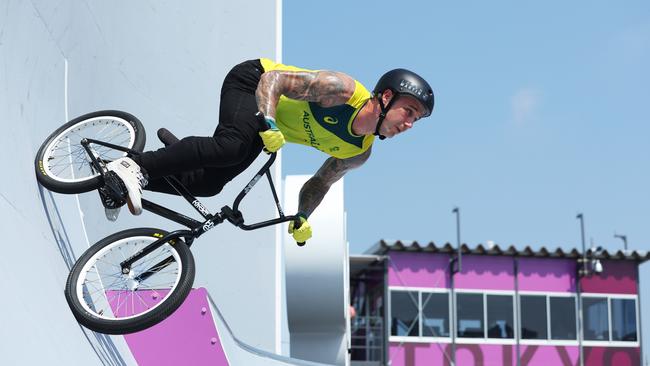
(303, 233)
(273, 139)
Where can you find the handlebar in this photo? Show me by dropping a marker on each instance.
(297, 223)
(263, 127)
(233, 215)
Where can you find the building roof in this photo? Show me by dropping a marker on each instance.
(384, 246)
(361, 263)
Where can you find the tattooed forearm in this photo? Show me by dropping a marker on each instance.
(311, 195)
(327, 88)
(314, 190)
(267, 93)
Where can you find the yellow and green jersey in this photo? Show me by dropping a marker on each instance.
(327, 129)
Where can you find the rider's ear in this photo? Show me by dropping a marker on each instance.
(386, 96)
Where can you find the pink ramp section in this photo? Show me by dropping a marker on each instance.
(187, 337)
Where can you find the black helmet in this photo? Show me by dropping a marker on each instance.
(405, 82)
(402, 82)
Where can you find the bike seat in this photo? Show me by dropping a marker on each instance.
(167, 137)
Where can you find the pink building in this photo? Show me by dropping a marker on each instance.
(505, 307)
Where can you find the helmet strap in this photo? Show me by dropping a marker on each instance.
(382, 114)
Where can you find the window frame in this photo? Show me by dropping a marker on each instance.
(609, 342)
(390, 310)
(419, 338)
(485, 339)
(449, 317)
(516, 306)
(548, 341)
(575, 314)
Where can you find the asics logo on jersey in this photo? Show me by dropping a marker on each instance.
(331, 120)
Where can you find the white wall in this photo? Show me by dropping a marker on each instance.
(317, 279)
(163, 61)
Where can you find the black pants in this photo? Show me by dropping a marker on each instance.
(205, 164)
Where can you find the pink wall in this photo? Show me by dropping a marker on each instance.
(497, 273)
(546, 274)
(549, 355)
(618, 277)
(431, 270)
(486, 273)
(418, 270)
(412, 354)
(610, 356)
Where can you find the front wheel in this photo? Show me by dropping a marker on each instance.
(62, 163)
(104, 299)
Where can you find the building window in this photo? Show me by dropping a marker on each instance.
(499, 316)
(435, 314)
(563, 318)
(404, 310)
(623, 320)
(533, 317)
(470, 315)
(596, 319)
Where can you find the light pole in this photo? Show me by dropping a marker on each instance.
(581, 272)
(624, 238)
(454, 268)
(459, 259)
(583, 268)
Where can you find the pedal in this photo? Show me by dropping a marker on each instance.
(113, 193)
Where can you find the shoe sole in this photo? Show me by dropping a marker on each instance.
(129, 204)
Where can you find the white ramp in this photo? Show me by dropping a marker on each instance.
(317, 282)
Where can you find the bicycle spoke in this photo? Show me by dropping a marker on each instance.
(124, 296)
(157, 286)
(99, 133)
(66, 151)
(104, 288)
(141, 300)
(117, 310)
(108, 263)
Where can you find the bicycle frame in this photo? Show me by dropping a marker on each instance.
(196, 227)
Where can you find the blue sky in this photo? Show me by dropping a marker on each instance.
(542, 111)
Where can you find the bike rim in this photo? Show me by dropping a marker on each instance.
(106, 293)
(66, 160)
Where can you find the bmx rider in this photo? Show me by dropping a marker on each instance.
(327, 110)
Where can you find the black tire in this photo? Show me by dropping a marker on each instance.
(95, 318)
(45, 161)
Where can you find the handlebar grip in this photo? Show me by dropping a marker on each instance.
(296, 225)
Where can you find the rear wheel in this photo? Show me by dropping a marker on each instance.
(63, 165)
(104, 299)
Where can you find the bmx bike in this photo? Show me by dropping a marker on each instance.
(135, 278)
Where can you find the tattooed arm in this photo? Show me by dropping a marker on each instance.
(328, 88)
(314, 190)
